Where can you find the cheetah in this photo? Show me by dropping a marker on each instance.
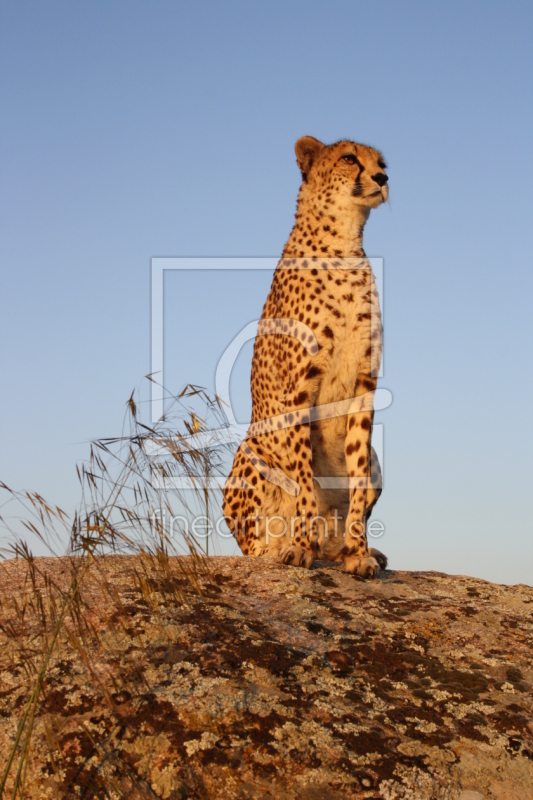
(305, 479)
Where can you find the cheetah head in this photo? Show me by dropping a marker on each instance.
(345, 171)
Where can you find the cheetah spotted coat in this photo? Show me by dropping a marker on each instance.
(305, 479)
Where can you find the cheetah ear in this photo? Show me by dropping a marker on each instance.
(307, 149)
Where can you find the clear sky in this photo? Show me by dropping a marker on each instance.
(135, 129)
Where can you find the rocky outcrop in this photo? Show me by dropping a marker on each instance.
(279, 682)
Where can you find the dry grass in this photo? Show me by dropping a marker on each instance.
(123, 503)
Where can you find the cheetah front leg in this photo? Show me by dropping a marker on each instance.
(355, 553)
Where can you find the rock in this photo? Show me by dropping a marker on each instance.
(278, 682)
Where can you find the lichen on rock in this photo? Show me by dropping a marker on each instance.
(278, 682)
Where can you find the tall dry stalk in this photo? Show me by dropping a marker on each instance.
(125, 497)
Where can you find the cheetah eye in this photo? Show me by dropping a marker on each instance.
(349, 158)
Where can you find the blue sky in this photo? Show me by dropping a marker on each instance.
(132, 130)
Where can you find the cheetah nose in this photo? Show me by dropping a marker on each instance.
(380, 178)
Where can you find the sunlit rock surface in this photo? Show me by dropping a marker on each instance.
(276, 682)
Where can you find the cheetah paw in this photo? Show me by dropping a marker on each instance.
(365, 567)
(380, 557)
(296, 556)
